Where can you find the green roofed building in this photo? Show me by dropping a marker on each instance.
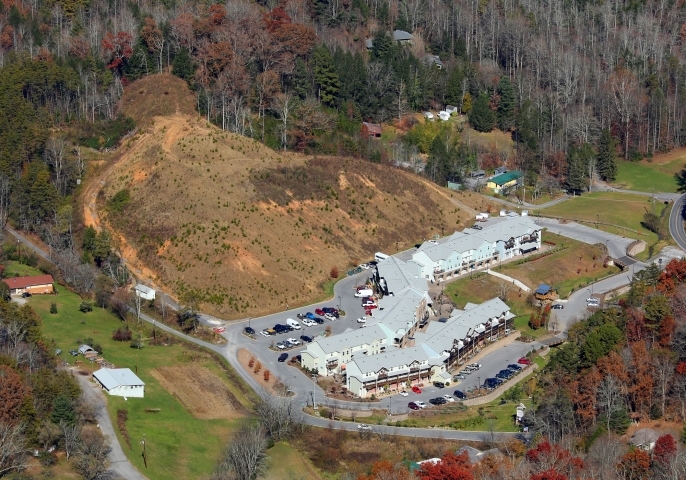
(505, 181)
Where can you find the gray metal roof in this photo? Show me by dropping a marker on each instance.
(350, 338)
(399, 275)
(399, 35)
(144, 289)
(114, 377)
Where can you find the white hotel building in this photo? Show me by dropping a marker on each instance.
(395, 349)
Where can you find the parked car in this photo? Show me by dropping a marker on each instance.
(503, 374)
(369, 307)
(514, 366)
(459, 376)
(362, 320)
(413, 406)
(477, 227)
(331, 310)
(464, 372)
(309, 323)
(330, 316)
(283, 357)
(363, 426)
(475, 366)
(26, 294)
(368, 303)
(420, 404)
(524, 361)
(306, 338)
(557, 306)
(319, 311)
(310, 315)
(219, 329)
(250, 330)
(293, 341)
(318, 320)
(438, 401)
(403, 393)
(448, 398)
(58, 351)
(74, 353)
(282, 346)
(301, 316)
(416, 389)
(264, 333)
(439, 384)
(460, 395)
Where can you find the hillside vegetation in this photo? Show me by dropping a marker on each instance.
(224, 221)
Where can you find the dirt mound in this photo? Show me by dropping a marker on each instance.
(157, 96)
(200, 391)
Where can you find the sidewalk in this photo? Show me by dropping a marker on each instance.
(509, 279)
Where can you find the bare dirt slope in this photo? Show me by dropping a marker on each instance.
(243, 229)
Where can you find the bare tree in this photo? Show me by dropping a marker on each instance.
(119, 302)
(137, 301)
(610, 397)
(72, 436)
(283, 105)
(502, 290)
(13, 456)
(277, 415)
(246, 455)
(55, 155)
(91, 460)
(603, 456)
(663, 366)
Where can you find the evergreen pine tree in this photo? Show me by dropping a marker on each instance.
(301, 80)
(182, 66)
(577, 168)
(606, 161)
(453, 90)
(482, 118)
(325, 77)
(467, 103)
(382, 44)
(507, 104)
(63, 411)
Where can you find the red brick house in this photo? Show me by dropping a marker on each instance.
(38, 284)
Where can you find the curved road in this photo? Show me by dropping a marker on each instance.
(676, 222)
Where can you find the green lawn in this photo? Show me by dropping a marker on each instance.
(16, 269)
(645, 177)
(178, 445)
(622, 209)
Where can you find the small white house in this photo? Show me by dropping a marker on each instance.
(145, 292)
(121, 382)
(444, 115)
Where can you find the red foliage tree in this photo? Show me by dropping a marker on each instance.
(673, 275)
(550, 474)
(118, 48)
(383, 470)
(275, 19)
(664, 450)
(634, 465)
(12, 394)
(546, 457)
(451, 466)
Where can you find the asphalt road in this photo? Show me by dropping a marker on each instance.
(616, 244)
(676, 222)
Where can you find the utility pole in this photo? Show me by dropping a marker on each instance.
(145, 453)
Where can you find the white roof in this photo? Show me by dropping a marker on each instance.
(400, 275)
(85, 348)
(350, 338)
(144, 289)
(115, 377)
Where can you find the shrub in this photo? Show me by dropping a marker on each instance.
(334, 272)
(53, 308)
(122, 334)
(258, 367)
(266, 375)
(85, 307)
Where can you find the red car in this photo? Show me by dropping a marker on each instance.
(369, 307)
(524, 361)
(416, 389)
(319, 312)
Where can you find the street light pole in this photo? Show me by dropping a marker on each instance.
(249, 318)
(339, 303)
(314, 402)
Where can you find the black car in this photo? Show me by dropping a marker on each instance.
(505, 373)
(250, 330)
(318, 320)
(331, 310)
(501, 376)
(514, 366)
(73, 353)
(491, 383)
(283, 357)
(477, 227)
(301, 316)
(557, 306)
(439, 384)
(306, 338)
(26, 294)
(438, 401)
(459, 395)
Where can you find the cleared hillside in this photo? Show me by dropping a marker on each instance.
(248, 230)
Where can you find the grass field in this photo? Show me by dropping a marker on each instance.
(560, 268)
(622, 209)
(179, 445)
(286, 463)
(645, 177)
(16, 269)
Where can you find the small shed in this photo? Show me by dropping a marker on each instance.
(35, 285)
(121, 382)
(84, 349)
(402, 36)
(444, 115)
(451, 108)
(369, 43)
(144, 292)
(545, 293)
(371, 129)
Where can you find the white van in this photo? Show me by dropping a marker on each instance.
(380, 257)
(364, 292)
(293, 323)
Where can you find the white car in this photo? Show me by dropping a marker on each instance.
(330, 316)
(449, 398)
(433, 242)
(420, 404)
(465, 372)
(362, 320)
(592, 300)
(403, 393)
(364, 266)
(264, 333)
(293, 341)
(363, 426)
(461, 377)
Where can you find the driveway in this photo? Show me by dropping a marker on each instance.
(616, 244)
(118, 461)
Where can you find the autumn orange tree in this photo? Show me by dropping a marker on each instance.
(451, 466)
